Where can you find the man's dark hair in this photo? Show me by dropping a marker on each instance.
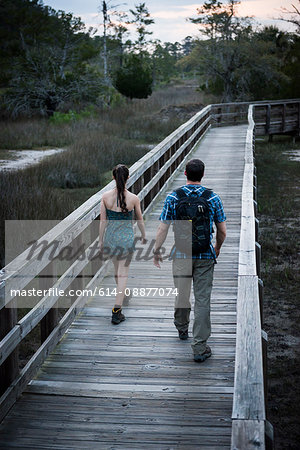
(195, 170)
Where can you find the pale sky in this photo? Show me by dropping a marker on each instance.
(170, 15)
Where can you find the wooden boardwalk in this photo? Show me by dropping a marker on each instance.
(136, 386)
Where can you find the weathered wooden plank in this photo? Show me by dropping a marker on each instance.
(122, 390)
(248, 434)
(156, 371)
(249, 389)
(126, 417)
(131, 404)
(146, 360)
(128, 440)
(125, 445)
(141, 379)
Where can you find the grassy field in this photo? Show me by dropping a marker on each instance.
(279, 211)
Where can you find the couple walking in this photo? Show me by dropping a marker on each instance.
(197, 265)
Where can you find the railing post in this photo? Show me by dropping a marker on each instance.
(255, 208)
(268, 122)
(256, 229)
(298, 127)
(269, 436)
(264, 340)
(255, 193)
(219, 113)
(141, 185)
(283, 117)
(269, 432)
(9, 370)
(261, 299)
(258, 258)
(94, 234)
(78, 282)
(50, 320)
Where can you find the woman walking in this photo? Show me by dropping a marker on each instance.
(116, 237)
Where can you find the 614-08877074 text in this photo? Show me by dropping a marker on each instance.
(139, 292)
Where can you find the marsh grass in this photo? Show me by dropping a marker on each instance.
(279, 211)
(122, 121)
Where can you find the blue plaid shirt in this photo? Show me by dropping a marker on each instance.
(217, 215)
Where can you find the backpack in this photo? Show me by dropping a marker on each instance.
(193, 208)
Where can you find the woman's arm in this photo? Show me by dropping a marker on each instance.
(139, 218)
(103, 222)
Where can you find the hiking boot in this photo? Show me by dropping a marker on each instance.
(203, 356)
(117, 316)
(183, 335)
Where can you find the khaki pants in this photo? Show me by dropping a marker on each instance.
(201, 272)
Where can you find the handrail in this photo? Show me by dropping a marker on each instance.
(278, 116)
(147, 178)
(248, 400)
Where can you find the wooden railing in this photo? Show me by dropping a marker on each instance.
(147, 178)
(277, 118)
(249, 416)
(272, 117)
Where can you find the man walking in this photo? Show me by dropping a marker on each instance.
(193, 265)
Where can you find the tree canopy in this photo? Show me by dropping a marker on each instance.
(45, 58)
(237, 61)
(50, 61)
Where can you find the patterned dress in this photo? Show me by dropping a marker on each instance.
(119, 237)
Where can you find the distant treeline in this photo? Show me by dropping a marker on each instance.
(51, 62)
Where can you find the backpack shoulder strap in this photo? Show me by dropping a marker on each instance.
(180, 193)
(206, 194)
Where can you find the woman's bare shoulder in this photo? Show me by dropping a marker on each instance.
(132, 197)
(107, 194)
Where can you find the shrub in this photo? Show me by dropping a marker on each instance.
(134, 80)
(59, 117)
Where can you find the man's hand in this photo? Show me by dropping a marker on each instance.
(161, 235)
(217, 250)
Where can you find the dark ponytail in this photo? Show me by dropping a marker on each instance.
(121, 174)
